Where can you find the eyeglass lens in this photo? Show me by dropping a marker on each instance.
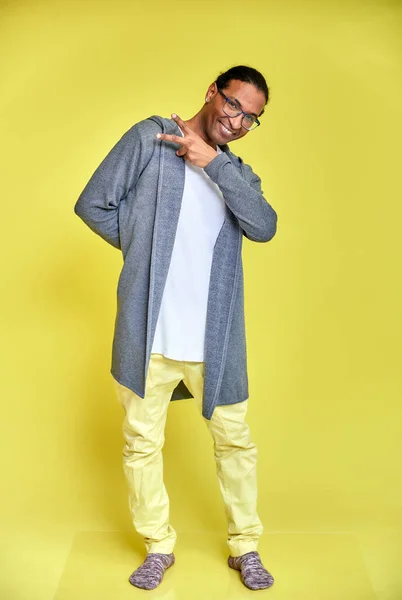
(232, 111)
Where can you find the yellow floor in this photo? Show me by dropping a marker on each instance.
(96, 564)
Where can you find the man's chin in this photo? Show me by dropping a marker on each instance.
(221, 140)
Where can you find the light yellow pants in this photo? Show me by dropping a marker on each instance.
(235, 456)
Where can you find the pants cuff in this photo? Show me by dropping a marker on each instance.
(241, 548)
(160, 548)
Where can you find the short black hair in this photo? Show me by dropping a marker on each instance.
(246, 74)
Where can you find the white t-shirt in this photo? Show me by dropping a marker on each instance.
(180, 330)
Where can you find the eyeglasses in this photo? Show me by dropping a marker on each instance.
(231, 109)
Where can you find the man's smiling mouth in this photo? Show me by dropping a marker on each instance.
(226, 130)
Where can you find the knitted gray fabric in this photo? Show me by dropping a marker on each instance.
(150, 574)
(252, 572)
(133, 201)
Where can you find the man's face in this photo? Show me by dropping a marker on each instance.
(219, 127)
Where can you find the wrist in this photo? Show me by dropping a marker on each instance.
(211, 157)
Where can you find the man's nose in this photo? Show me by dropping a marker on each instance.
(235, 122)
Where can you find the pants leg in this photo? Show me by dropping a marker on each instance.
(144, 434)
(236, 464)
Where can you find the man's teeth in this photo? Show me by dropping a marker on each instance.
(226, 129)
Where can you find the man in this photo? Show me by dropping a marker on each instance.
(177, 202)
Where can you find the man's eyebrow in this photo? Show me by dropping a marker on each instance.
(239, 103)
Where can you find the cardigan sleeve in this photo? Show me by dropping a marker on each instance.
(244, 197)
(98, 203)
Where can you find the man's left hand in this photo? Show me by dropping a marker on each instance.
(193, 148)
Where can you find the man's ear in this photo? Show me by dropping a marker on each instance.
(212, 90)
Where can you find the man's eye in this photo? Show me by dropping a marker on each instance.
(233, 105)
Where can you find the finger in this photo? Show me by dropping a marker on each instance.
(181, 123)
(167, 137)
(182, 151)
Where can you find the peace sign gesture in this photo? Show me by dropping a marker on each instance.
(193, 148)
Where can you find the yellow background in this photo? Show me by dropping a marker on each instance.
(323, 298)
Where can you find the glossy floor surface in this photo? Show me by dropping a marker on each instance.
(306, 565)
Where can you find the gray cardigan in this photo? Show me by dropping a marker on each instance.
(133, 202)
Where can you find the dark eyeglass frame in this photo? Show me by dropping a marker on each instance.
(229, 100)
